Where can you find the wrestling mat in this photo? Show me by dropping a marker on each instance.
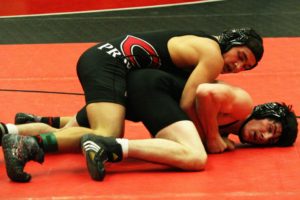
(243, 174)
(246, 173)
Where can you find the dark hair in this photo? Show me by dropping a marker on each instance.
(289, 128)
(279, 112)
(240, 37)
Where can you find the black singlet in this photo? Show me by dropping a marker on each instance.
(103, 69)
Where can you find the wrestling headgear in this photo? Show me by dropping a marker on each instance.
(280, 113)
(242, 36)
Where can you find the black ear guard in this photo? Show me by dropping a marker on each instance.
(240, 37)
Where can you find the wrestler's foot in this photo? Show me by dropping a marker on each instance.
(97, 151)
(23, 118)
(18, 150)
(3, 131)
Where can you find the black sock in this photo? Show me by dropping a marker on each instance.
(114, 149)
(52, 121)
(48, 142)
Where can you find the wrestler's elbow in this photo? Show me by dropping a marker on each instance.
(184, 105)
(187, 106)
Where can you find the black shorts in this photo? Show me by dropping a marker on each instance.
(102, 77)
(153, 98)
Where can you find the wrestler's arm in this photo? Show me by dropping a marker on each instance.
(204, 57)
(220, 102)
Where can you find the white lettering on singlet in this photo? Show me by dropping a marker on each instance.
(110, 50)
(114, 52)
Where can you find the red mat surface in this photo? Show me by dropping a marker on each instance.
(247, 173)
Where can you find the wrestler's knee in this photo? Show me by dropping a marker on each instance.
(194, 160)
(189, 153)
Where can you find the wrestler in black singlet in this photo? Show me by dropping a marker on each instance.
(102, 69)
(155, 100)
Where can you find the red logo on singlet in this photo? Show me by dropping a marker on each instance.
(139, 52)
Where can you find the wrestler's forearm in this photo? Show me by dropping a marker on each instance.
(194, 118)
(206, 111)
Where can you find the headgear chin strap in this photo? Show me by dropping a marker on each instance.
(280, 113)
(240, 37)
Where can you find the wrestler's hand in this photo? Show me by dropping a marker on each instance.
(216, 144)
(230, 144)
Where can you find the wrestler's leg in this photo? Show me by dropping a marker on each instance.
(106, 119)
(102, 81)
(33, 129)
(177, 145)
(68, 139)
(64, 140)
(155, 101)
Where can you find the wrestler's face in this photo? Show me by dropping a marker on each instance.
(261, 132)
(237, 59)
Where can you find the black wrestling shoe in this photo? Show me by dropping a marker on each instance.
(18, 150)
(97, 151)
(23, 118)
(3, 131)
